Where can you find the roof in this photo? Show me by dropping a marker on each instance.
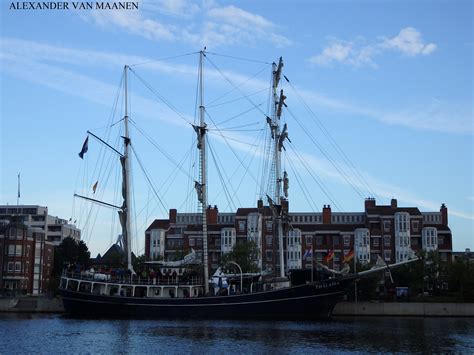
(266, 211)
(328, 227)
(388, 210)
(159, 224)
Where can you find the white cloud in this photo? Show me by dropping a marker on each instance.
(409, 42)
(238, 17)
(357, 53)
(344, 52)
(185, 21)
(135, 23)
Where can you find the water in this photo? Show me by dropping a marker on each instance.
(57, 334)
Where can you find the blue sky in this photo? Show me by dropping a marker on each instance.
(391, 81)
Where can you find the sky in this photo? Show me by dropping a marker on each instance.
(380, 103)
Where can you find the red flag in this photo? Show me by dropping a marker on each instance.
(329, 256)
(349, 255)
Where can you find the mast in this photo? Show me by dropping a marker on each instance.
(278, 137)
(201, 186)
(126, 207)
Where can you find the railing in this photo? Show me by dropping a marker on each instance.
(133, 280)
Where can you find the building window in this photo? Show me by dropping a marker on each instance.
(241, 226)
(415, 225)
(269, 255)
(440, 240)
(11, 249)
(17, 266)
(11, 266)
(192, 242)
(319, 256)
(375, 242)
(347, 240)
(444, 257)
(269, 226)
(319, 240)
(269, 240)
(386, 226)
(337, 256)
(386, 240)
(335, 240)
(387, 254)
(309, 239)
(217, 242)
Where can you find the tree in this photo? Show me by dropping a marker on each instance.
(245, 254)
(460, 275)
(70, 251)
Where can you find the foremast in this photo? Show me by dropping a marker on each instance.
(278, 136)
(201, 186)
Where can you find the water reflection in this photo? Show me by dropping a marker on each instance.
(63, 335)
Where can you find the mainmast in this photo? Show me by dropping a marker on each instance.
(278, 138)
(201, 186)
(126, 207)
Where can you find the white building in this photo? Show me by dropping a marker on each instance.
(34, 216)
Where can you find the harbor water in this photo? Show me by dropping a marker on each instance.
(58, 334)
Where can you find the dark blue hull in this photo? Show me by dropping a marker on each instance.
(299, 302)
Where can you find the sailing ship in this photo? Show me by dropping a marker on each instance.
(184, 296)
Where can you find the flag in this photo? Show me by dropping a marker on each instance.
(85, 148)
(349, 256)
(329, 256)
(94, 187)
(308, 253)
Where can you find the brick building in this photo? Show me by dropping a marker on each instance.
(26, 258)
(389, 231)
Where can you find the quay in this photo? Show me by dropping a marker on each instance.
(404, 309)
(34, 304)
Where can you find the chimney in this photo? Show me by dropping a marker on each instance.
(211, 214)
(393, 203)
(369, 203)
(444, 214)
(173, 213)
(327, 214)
(260, 203)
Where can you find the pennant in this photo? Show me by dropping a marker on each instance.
(85, 148)
(329, 256)
(349, 256)
(94, 187)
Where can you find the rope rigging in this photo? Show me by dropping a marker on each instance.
(332, 141)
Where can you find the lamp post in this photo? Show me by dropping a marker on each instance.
(241, 277)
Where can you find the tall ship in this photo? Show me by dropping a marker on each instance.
(185, 288)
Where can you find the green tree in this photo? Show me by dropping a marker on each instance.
(460, 277)
(70, 251)
(245, 254)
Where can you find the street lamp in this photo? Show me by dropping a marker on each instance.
(241, 277)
